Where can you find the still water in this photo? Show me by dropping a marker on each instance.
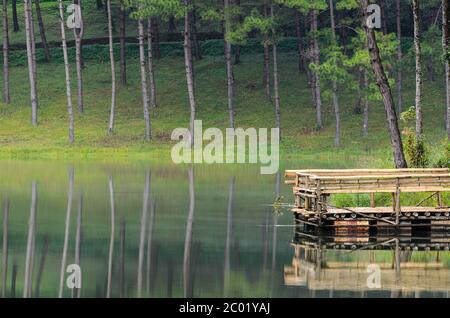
(154, 230)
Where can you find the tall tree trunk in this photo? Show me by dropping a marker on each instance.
(316, 57)
(113, 69)
(266, 58)
(76, 292)
(399, 61)
(33, 39)
(5, 249)
(298, 32)
(68, 216)
(275, 74)
(67, 71)
(29, 260)
(446, 47)
(156, 40)
(111, 239)
(240, 20)
(6, 98)
(78, 34)
(417, 31)
(14, 14)
(144, 80)
(189, 68)
(385, 90)
(30, 59)
(337, 134)
(150, 64)
(229, 62)
(42, 30)
(194, 38)
(366, 105)
(123, 58)
(188, 238)
(143, 231)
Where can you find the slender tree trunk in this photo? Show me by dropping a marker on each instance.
(298, 32)
(148, 135)
(194, 38)
(156, 41)
(151, 225)
(16, 27)
(76, 292)
(316, 57)
(399, 61)
(189, 68)
(123, 58)
(78, 34)
(33, 38)
(122, 259)
(275, 74)
(37, 290)
(150, 64)
(66, 229)
(99, 4)
(446, 47)
(30, 59)
(266, 57)
(385, 90)
(6, 98)
(229, 62)
(228, 241)
(188, 238)
(5, 250)
(111, 239)
(67, 71)
(30, 243)
(145, 205)
(113, 69)
(366, 106)
(42, 30)
(240, 20)
(337, 134)
(417, 31)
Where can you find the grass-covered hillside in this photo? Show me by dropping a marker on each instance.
(300, 139)
(299, 135)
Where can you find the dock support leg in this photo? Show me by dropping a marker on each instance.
(372, 200)
(319, 202)
(439, 200)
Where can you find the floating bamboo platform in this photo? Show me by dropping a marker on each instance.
(313, 191)
(313, 269)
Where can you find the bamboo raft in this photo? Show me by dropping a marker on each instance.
(402, 275)
(313, 190)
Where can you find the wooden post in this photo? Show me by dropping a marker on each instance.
(307, 199)
(439, 199)
(319, 203)
(397, 204)
(372, 200)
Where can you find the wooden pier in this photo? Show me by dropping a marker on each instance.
(313, 191)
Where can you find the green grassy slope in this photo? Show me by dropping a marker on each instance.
(300, 138)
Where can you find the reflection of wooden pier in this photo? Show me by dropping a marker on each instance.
(313, 190)
(313, 267)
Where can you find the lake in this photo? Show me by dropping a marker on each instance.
(158, 230)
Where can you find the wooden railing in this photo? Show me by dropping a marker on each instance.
(313, 188)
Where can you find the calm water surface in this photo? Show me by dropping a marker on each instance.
(149, 230)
